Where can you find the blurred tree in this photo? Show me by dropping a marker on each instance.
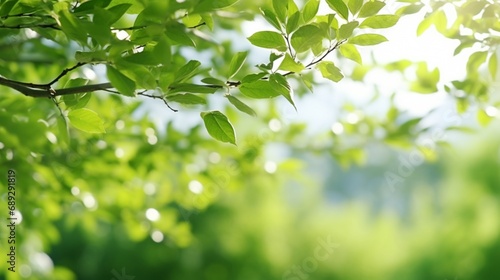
(94, 205)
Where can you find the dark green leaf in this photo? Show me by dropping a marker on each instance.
(293, 22)
(122, 83)
(281, 85)
(192, 88)
(186, 98)
(213, 81)
(271, 18)
(218, 126)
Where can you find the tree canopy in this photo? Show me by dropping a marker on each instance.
(223, 187)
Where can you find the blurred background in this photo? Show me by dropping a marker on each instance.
(368, 179)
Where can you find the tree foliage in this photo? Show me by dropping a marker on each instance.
(101, 182)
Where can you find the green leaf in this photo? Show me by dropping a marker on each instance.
(289, 64)
(241, 106)
(187, 98)
(483, 118)
(72, 27)
(380, 21)
(213, 81)
(121, 82)
(425, 24)
(493, 65)
(280, 84)
(345, 31)
(293, 22)
(177, 33)
(236, 63)
(310, 10)
(259, 89)
(330, 71)
(426, 80)
(268, 40)
(354, 5)
(410, 9)
(370, 8)
(193, 88)
(280, 8)
(218, 126)
(340, 7)
(270, 16)
(351, 52)
(306, 37)
(204, 6)
(187, 71)
(367, 39)
(475, 60)
(86, 120)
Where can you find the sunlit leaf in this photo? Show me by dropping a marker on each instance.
(306, 37)
(310, 10)
(218, 126)
(367, 39)
(340, 7)
(370, 8)
(268, 39)
(236, 63)
(330, 71)
(289, 64)
(351, 52)
(86, 120)
(380, 21)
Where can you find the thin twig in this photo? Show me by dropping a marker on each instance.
(64, 72)
(157, 97)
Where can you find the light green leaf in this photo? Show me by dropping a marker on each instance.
(410, 9)
(187, 98)
(483, 118)
(351, 52)
(330, 71)
(259, 89)
(426, 80)
(493, 65)
(270, 16)
(281, 85)
(340, 7)
(475, 60)
(236, 63)
(241, 106)
(187, 71)
(306, 37)
(310, 10)
(86, 120)
(370, 8)
(425, 24)
(354, 5)
(218, 126)
(177, 33)
(122, 83)
(345, 31)
(268, 40)
(280, 8)
(367, 39)
(380, 21)
(293, 22)
(289, 64)
(204, 6)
